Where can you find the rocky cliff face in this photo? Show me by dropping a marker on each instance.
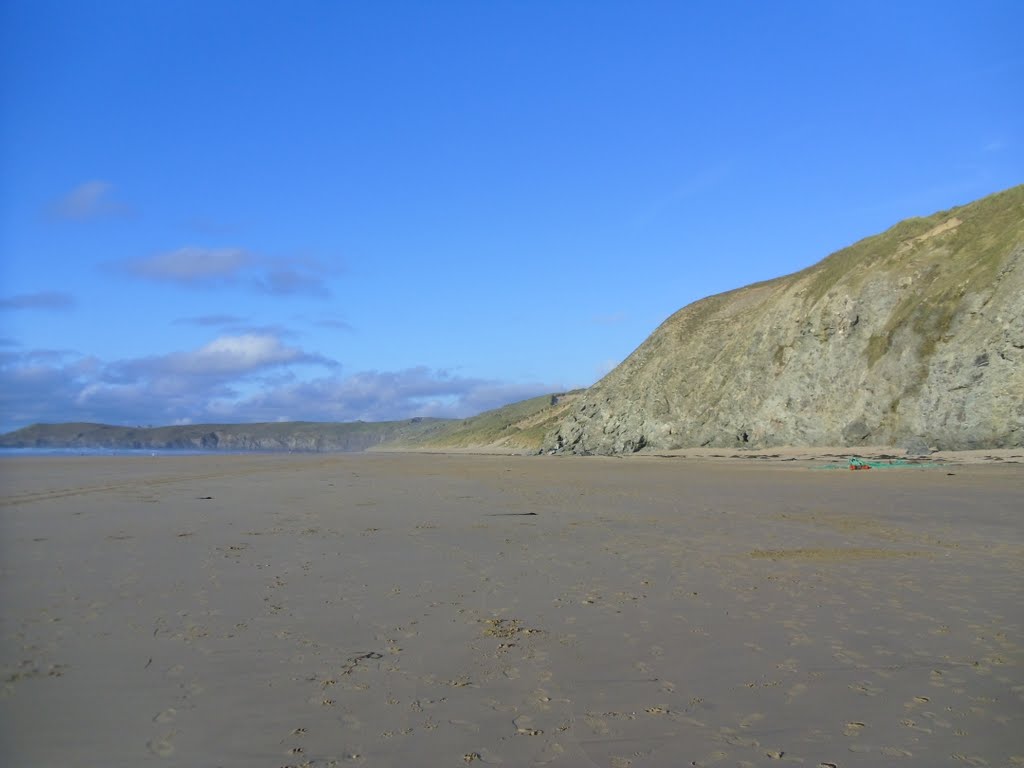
(914, 333)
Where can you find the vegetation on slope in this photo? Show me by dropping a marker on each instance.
(519, 426)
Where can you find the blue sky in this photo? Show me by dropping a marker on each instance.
(249, 211)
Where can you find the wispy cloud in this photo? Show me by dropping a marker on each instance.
(44, 300)
(335, 323)
(211, 320)
(89, 200)
(196, 267)
(610, 318)
(292, 281)
(208, 226)
(192, 266)
(384, 396)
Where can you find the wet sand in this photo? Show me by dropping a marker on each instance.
(400, 610)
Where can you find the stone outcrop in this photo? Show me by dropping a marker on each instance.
(912, 336)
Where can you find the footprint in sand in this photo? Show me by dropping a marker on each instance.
(908, 723)
(167, 716)
(749, 720)
(161, 747)
(936, 720)
(865, 688)
(797, 689)
(895, 752)
(853, 729)
(524, 726)
(714, 757)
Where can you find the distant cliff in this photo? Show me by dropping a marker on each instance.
(277, 436)
(514, 428)
(914, 334)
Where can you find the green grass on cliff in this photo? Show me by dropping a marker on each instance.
(950, 266)
(521, 425)
(941, 268)
(969, 252)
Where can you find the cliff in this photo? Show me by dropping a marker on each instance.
(914, 334)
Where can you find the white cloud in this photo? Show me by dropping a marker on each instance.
(237, 354)
(223, 358)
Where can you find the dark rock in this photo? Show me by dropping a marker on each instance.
(917, 446)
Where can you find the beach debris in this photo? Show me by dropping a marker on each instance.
(507, 628)
(503, 628)
(882, 462)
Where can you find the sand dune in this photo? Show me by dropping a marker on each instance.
(406, 610)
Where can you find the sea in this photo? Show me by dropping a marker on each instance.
(65, 452)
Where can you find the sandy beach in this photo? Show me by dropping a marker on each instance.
(444, 610)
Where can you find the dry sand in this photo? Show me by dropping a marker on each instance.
(407, 610)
